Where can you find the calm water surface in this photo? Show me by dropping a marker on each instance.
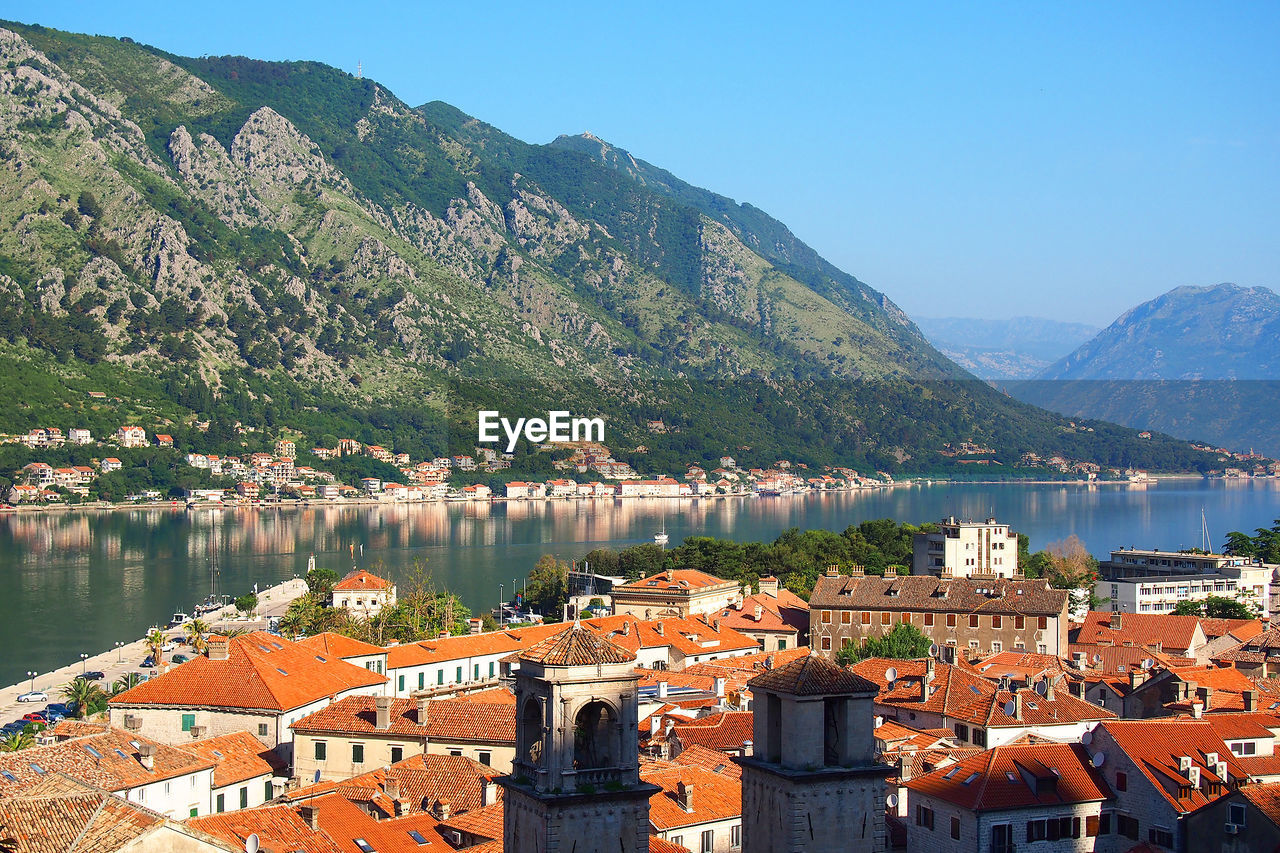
(74, 582)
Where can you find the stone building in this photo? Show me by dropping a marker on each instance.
(964, 549)
(363, 594)
(575, 784)
(964, 616)
(675, 592)
(812, 781)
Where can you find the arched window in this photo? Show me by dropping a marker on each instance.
(531, 731)
(596, 737)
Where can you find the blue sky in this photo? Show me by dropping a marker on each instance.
(1052, 159)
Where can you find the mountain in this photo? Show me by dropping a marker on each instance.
(231, 242)
(1018, 348)
(1201, 363)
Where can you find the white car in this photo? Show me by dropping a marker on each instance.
(169, 646)
(35, 696)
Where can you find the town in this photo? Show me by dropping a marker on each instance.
(955, 701)
(276, 474)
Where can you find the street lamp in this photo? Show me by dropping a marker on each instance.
(119, 651)
(84, 663)
(32, 676)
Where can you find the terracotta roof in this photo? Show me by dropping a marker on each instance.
(1139, 629)
(111, 760)
(656, 845)
(689, 636)
(484, 822)
(716, 797)
(1009, 777)
(360, 580)
(65, 815)
(576, 646)
(1155, 746)
(927, 593)
(1121, 660)
(1265, 798)
(725, 732)
(814, 675)
(237, 757)
(785, 612)
(737, 670)
(1246, 725)
(678, 580)
(263, 672)
(423, 780)
(1240, 629)
(447, 719)
(697, 755)
(338, 646)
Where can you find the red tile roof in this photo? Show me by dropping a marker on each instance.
(64, 814)
(724, 732)
(263, 672)
(1009, 777)
(715, 797)
(423, 780)
(447, 719)
(237, 757)
(1266, 798)
(576, 646)
(1240, 629)
(814, 675)
(361, 580)
(484, 822)
(338, 646)
(680, 580)
(111, 760)
(785, 612)
(1155, 746)
(1139, 629)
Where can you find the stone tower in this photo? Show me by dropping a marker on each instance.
(812, 782)
(575, 782)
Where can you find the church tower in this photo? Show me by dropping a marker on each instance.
(812, 782)
(575, 782)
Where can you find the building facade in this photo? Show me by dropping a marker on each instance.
(962, 549)
(1141, 581)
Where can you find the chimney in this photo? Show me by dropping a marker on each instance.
(217, 648)
(662, 689)
(833, 571)
(655, 725)
(684, 795)
(671, 575)
(748, 748)
(443, 635)
(442, 810)
(768, 662)
(477, 626)
(1017, 705)
(1251, 700)
(759, 613)
(1197, 710)
(928, 670)
(392, 787)
(715, 624)
(857, 572)
(310, 815)
(1136, 677)
(719, 687)
(1048, 690)
(422, 710)
(657, 626)
(382, 708)
(1204, 694)
(1116, 621)
(147, 755)
(626, 629)
(890, 571)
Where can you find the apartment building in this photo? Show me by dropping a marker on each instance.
(962, 549)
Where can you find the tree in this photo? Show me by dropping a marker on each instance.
(84, 695)
(128, 681)
(321, 581)
(195, 632)
(548, 589)
(1216, 607)
(17, 741)
(247, 603)
(155, 641)
(904, 642)
(1073, 568)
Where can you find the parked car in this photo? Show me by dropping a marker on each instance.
(94, 675)
(54, 716)
(9, 728)
(59, 707)
(149, 662)
(169, 646)
(35, 717)
(34, 696)
(180, 658)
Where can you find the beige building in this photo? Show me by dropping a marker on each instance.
(675, 592)
(363, 594)
(776, 618)
(696, 808)
(962, 616)
(359, 733)
(962, 549)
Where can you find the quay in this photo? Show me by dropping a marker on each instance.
(117, 662)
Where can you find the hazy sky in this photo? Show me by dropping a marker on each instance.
(1057, 159)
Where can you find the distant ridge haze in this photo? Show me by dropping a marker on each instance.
(1014, 348)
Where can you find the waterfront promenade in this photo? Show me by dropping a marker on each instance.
(128, 658)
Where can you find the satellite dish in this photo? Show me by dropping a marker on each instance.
(891, 801)
(891, 674)
(1097, 658)
(316, 781)
(1086, 738)
(1099, 758)
(251, 844)
(1042, 687)
(1010, 708)
(933, 650)
(1147, 663)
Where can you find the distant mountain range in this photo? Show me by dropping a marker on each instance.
(225, 241)
(1017, 348)
(1201, 363)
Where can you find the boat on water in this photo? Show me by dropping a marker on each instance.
(178, 618)
(661, 537)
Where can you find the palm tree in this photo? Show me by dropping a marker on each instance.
(83, 694)
(235, 632)
(17, 741)
(155, 644)
(195, 631)
(126, 682)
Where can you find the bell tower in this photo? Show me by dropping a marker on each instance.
(812, 782)
(575, 782)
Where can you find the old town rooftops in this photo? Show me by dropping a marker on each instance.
(112, 760)
(576, 646)
(447, 719)
(680, 580)
(1008, 777)
(361, 580)
(261, 672)
(928, 593)
(814, 675)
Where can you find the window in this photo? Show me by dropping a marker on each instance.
(1091, 825)
(955, 828)
(826, 644)
(951, 620)
(397, 754)
(357, 753)
(400, 682)
(826, 617)
(166, 787)
(188, 720)
(924, 817)
(221, 804)
(677, 840)
(846, 617)
(997, 647)
(962, 731)
(1019, 622)
(1248, 748)
(1122, 781)
(262, 729)
(195, 810)
(1127, 826)
(1044, 622)
(866, 617)
(708, 841)
(1161, 836)
(1104, 823)
(928, 620)
(422, 680)
(782, 644)
(973, 620)
(491, 669)
(476, 674)
(484, 757)
(244, 798)
(735, 836)
(1235, 813)
(322, 750)
(439, 676)
(458, 677)
(267, 793)
(979, 737)
(456, 753)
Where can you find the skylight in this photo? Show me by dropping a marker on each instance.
(363, 845)
(37, 768)
(969, 779)
(121, 753)
(8, 775)
(217, 753)
(1011, 777)
(418, 837)
(974, 688)
(321, 659)
(952, 772)
(281, 671)
(93, 752)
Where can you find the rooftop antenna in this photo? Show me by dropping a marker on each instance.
(359, 70)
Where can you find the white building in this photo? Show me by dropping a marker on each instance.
(80, 436)
(962, 549)
(364, 594)
(1139, 581)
